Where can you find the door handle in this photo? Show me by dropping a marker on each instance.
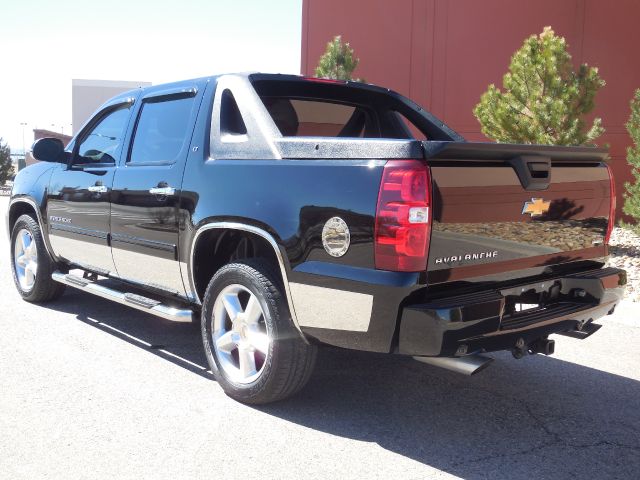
(98, 189)
(163, 191)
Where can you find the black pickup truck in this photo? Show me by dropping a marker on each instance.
(285, 212)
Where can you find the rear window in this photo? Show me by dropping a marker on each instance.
(326, 109)
(321, 118)
(315, 118)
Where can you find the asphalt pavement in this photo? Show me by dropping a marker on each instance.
(91, 389)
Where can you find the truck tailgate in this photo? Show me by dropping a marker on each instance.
(505, 208)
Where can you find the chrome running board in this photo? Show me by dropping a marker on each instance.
(138, 302)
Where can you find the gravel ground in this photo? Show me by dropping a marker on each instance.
(561, 234)
(625, 253)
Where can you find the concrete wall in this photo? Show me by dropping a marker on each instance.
(88, 95)
(444, 53)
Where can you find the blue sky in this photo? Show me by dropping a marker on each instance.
(44, 44)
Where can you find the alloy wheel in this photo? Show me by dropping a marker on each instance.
(25, 256)
(241, 340)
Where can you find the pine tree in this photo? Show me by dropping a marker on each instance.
(632, 190)
(544, 100)
(338, 61)
(6, 166)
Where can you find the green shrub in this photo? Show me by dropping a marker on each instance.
(6, 166)
(632, 190)
(338, 61)
(543, 99)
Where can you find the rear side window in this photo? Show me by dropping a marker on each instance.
(161, 131)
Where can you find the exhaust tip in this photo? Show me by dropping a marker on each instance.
(467, 365)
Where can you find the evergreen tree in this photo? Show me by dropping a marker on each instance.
(338, 61)
(632, 193)
(543, 99)
(6, 166)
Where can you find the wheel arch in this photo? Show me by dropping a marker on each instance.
(217, 243)
(18, 207)
(26, 205)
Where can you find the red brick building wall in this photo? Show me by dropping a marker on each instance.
(444, 53)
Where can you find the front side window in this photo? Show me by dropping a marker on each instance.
(161, 132)
(103, 143)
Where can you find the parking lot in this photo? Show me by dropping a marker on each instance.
(91, 389)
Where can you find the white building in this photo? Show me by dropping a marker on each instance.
(88, 95)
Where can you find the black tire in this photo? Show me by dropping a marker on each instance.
(44, 287)
(290, 360)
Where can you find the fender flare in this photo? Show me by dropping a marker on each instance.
(257, 231)
(32, 203)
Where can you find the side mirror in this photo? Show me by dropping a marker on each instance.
(48, 150)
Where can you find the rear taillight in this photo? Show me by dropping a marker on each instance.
(403, 217)
(612, 204)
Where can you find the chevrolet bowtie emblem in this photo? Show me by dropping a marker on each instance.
(537, 206)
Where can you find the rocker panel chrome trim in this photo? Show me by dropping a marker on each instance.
(251, 229)
(333, 309)
(164, 277)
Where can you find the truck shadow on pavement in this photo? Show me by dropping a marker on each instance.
(539, 417)
(178, 343)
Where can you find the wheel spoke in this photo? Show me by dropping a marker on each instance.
(259, 340)
(232, 305)
(253, 310)
(25, 240)
(247, 361)
(21, 261)
(33, 253)
(226, 342)
(30, 273)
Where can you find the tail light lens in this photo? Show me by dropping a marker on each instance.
(612, 205)
(403, 217)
